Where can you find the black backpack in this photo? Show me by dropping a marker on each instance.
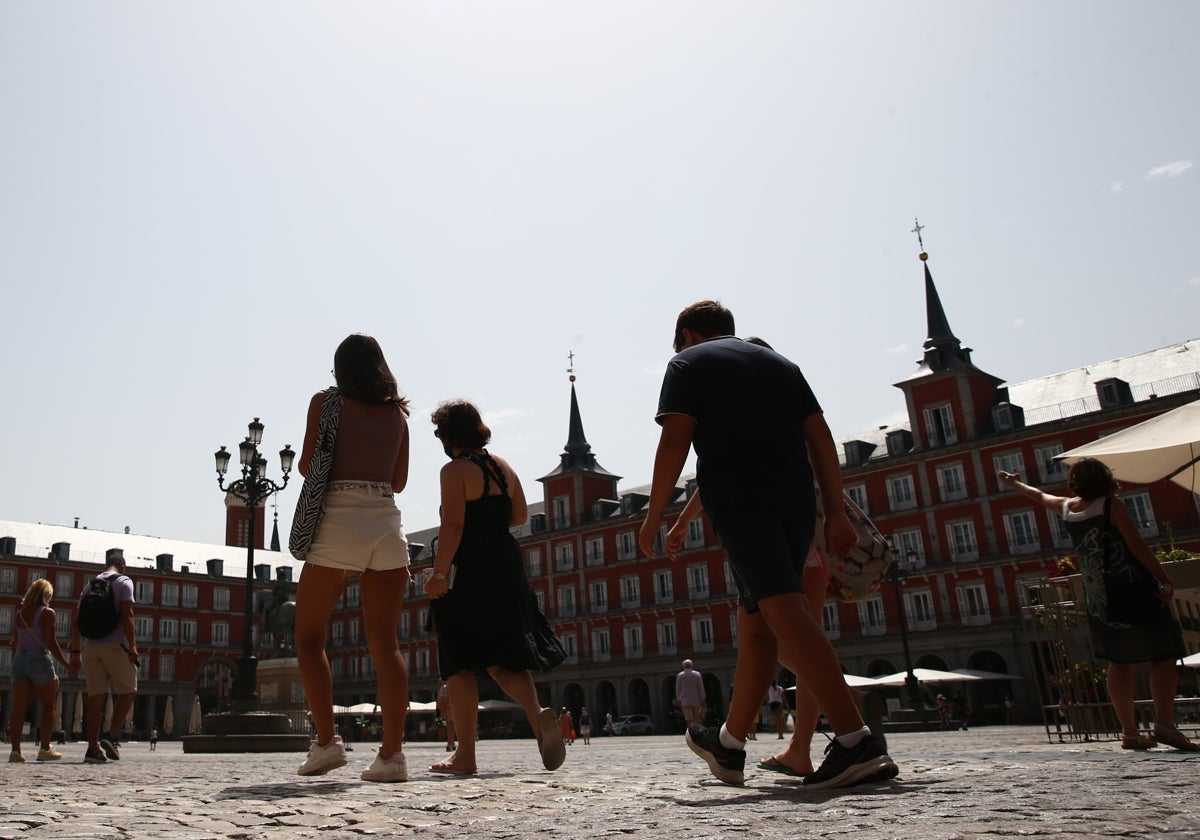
(98, 614)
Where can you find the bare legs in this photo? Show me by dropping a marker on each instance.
(1164, 681)
(382, 600)
(16, 721)
(316, 595)
(464, 702)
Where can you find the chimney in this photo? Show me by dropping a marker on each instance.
(262, 572)
(165, 562)
(8, 545)
(60, 552)
(216, 567)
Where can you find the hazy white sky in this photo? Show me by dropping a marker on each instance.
(198, 201)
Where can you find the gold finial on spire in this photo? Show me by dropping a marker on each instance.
(917, 230)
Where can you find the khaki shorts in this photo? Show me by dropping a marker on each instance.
(361, 529)
(106, 666)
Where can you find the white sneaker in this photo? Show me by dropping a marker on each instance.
(49, 755)
(392, 769)
(323, 759)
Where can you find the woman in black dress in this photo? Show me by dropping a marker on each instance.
(1128, 597)
(483, 608)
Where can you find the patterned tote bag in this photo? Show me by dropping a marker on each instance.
(310, 507)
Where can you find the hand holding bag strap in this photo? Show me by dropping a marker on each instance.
(310, 506)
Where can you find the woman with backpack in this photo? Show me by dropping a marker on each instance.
(35, 648)
(360, 534)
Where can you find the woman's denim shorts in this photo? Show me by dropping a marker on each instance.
(35, 666)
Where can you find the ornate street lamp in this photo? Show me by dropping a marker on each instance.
(903, 566)
(252, 488)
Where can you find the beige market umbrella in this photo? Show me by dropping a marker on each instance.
(1166, 447)
(1192, 661)
(925, 675)
(77, 720)
(196, 718)
(852, 680)
(169, 716)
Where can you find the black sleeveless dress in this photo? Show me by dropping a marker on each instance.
(490, 616)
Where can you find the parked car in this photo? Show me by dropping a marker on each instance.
(633, 725)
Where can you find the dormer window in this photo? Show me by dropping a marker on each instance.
(939, 425)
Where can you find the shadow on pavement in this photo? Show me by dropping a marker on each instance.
(284, 790)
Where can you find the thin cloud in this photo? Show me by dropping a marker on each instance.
(1017, 323)
(1169, 170)
(902, 347)
(1117, 187)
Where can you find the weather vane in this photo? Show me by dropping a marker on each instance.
(917, 230)
(571, 364)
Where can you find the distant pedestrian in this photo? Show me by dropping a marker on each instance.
(609, 727)
(689, 693)
(153, 739)
(1127, 594)
(567, 726)
(775, 701)
(585, 725)
(35, 647)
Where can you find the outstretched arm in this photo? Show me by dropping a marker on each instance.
(1013, 480)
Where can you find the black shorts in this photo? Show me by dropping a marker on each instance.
(767, 555)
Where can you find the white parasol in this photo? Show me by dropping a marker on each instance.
(851, 680)
(77, 720)
(195, 720)
(1192, 661)
(1165, 447)
(985, 675)
(57, 723)
(168, 725)
(925, 675)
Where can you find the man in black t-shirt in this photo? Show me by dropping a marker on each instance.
(754, 423)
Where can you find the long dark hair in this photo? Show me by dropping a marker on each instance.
(363, 374)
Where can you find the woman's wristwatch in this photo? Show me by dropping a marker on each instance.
(1166, 587)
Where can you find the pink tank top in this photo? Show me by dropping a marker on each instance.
(32, 637)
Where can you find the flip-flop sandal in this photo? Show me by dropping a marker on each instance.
(1141, 742)
(1175, 739)
(450, 770)
(554, 749)
(774, 765)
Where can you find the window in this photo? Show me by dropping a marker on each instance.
(911, 543)
(830, 621)
(1009, 462)
(594, 551)
(191, 595)
(353, 595)
(6, 624)
(423, 661)
(918, 610)
(601, 645)
(1049, 470)
(566, 601)
(1021, 529)
(187, 631)
(961, 537)
(666, 637)
(939, 425)
(35, 574)
(730, 583)
(353, 660)
(8, 580)
(143, 629)
(541, 600)
(695, 534)
(900, 492)
(1029, 589)
(1058, 530)
(166, 667)
(64, 585)
(565, 555)
(423, 617)
(698, 580)
(702, 633)
(6, 659)
(220, 634)
(405, 625)
(973, 604)
(143, 591)
(1142, 513)
(62, 623)
(663, 587)
(870, 616)
(733, 628)
(170, 594)
(599, 596)
(335, 668)
(952, 483)
(355, 631)
(534, 561)
(631, 595)
(633, 641)
(568, 643)
(220, 598)
(562, 512)
(338, 634)
(858, 495)
(660, 540)
(626, 546)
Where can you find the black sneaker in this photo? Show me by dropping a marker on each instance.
(94, 756)
(847, 766)
(726, 764)
(112, 748)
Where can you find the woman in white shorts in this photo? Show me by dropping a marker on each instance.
(360, 535)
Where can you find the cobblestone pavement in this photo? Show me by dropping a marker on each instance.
(986, 783)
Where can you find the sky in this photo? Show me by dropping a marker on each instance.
(199, 201)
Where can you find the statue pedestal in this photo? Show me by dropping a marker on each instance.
(280, 724)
